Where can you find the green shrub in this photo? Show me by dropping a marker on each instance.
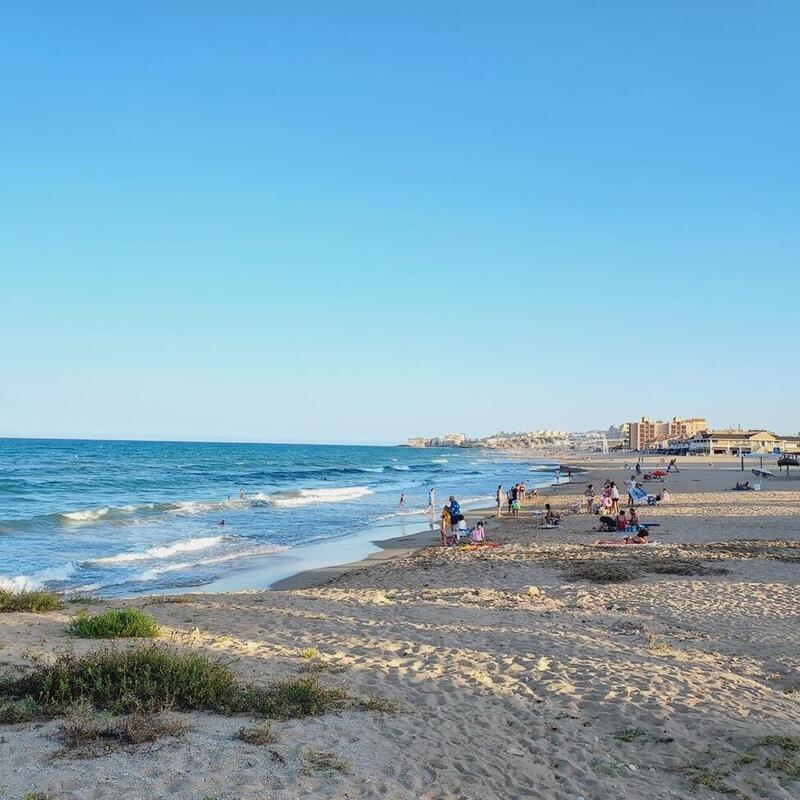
(13, 712)
(37, 600)
(114, 624)
(156, 678)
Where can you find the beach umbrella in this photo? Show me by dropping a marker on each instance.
(763, 473)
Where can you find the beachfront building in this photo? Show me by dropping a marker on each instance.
(736, 442)
(645, 433)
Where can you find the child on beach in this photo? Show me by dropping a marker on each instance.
(477, 534)
(589, 495)
(445, 524)
(622, 522)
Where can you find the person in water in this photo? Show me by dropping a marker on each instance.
(431, 499)
(402, 503)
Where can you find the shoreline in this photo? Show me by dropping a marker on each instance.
(586, 671)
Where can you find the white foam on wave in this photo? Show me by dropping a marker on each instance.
(37, 580)
(163, 551)
(306, 497)
(400, 467)
(438, 461)
(84, 515)
(262, 550)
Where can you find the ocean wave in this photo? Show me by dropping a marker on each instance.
(305, 497)
(439, 461)
(85, 515)
(263, 550)
(164, 551)
(37, 580)
(400, 467)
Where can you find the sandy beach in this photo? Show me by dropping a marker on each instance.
(511, 671)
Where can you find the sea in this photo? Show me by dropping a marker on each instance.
(121, 518)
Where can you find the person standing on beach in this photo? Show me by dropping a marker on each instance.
(614, 497)
(431, 499)
(631, 486)
(589, 494)
(455, 513)
(638, 469)
(522, 490)
(499, 497)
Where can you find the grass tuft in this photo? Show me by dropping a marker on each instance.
(324, 761)
(13, 712)
(154, 678)
(84, 729)
(788, 743)
(300, 697)
(711, 779)
(309, 653)
(37, 796)
(38, 601)
(373, 703)
(83, 600)
(629, 735)
(114, 624)
(788, 765)
(257, 734)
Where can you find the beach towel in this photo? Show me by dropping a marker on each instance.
(637, 494)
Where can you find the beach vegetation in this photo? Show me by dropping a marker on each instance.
(629, 735)
(114, 624)
(83, 728)
(788, 743)
(38, 601)
(317, 666)
(790, 766)
(309, 653)
(164, 599)
(36, 796)
(380, 704)
(710, 779)
(83, 599)
(13, 712)
(324, 761)
(257, 734)
(155, 678)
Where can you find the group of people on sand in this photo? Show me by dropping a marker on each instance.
(454, 527)
(513, 498)
(622, 524)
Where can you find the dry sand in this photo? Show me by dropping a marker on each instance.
(513, 678)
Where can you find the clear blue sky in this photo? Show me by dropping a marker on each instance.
(354, 222)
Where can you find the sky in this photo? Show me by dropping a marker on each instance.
(358, 222)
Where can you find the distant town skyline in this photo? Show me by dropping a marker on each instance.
(252, 222)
